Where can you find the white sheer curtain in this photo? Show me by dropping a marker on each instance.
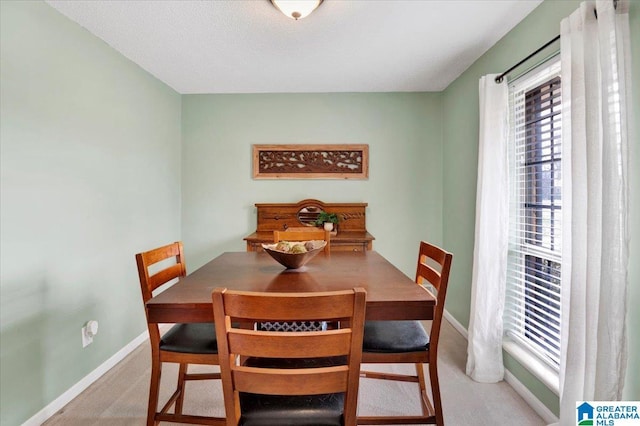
(596, 94)
(484, 351)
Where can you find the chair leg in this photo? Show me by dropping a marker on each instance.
(427, 409)
(182, 372)
(431, 413)
(435, 390)
(154, 391)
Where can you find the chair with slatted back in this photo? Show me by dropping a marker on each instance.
(397, 342)
(290, 378)
(304, 235)
(184, 344)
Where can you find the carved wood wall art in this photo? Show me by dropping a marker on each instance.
(311, 161)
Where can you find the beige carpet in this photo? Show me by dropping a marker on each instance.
(120, 396)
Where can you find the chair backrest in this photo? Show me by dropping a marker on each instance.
(151, 281)
(345, 343)
(304, 235)
(434, 265)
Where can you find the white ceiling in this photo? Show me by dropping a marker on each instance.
(248, 46)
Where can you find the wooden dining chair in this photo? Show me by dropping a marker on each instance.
(304, 235)
(184, 344)
(397, 342)
(289, 377)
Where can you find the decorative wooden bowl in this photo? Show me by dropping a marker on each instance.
(295, 260)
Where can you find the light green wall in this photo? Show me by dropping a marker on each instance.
(90, 163)
(460, 136)
(404, 189)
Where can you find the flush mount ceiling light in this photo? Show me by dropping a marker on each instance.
(296, 9)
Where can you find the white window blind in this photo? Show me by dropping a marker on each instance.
(532, 308)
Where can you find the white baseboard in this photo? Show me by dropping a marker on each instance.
(75, 390)
(454, 322)
(517, 386)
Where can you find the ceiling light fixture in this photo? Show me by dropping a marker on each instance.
(296, 9)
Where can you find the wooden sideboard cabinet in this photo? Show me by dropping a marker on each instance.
(351, 233)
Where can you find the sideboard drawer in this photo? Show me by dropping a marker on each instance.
(348, 247)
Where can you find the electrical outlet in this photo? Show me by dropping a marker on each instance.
(89, 330)
(86, 340)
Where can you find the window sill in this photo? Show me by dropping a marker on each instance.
(547, 375)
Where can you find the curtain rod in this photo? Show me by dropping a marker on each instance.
(547, 44)
(499, 78)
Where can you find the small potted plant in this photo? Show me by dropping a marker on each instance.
(327, 220)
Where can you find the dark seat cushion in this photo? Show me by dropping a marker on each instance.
(295, 362)
(197, 338)
(277, 410)
(394, 336)
(284, 410)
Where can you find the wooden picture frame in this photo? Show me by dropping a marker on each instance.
(299, 161)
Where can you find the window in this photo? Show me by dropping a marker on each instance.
(532, 308)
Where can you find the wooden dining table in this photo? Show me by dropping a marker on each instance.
(391, 295)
